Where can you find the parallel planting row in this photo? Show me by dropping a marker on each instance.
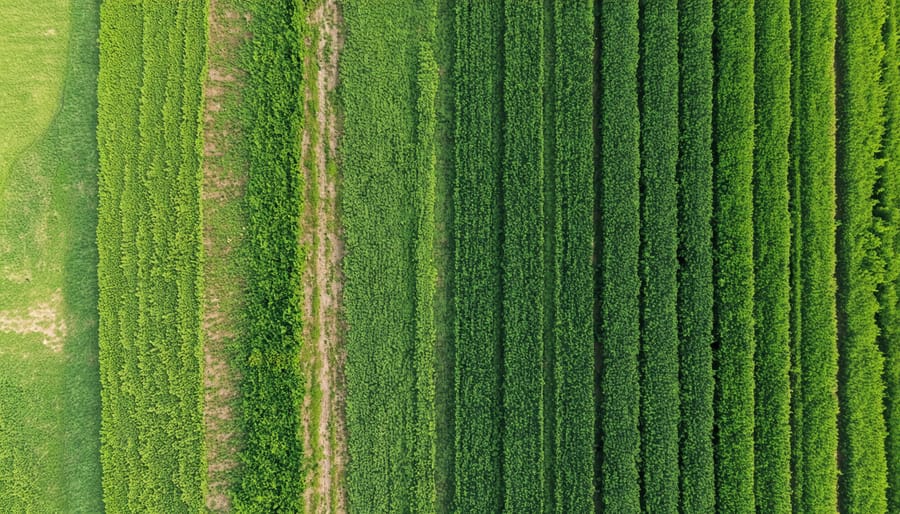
(152, 61)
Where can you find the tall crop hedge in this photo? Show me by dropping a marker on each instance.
(659, 261)
(695, 274)
(771, 249)
(522, 251)
(860, 103)
(150, 95)
(271, 473)
(476, 236)
(570, 178)
(387, 91)
(815, 410)
(888, 212)
(619, 240)
(733, 254)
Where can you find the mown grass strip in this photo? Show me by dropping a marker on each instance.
(150, 97)
(860, 102)
(387, 81)
(695, 275)
(771, 243)
(572, 169)
(522, 257)
(659, 260)
(476, 198)
(888, 212)
(733, 254)
(619, 240)
(271, 459)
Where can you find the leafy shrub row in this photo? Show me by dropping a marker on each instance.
(860, 102)
(771, 256)
(659, 255)
(733, 124)
(271, 458)
(150, 94)
(619, 239)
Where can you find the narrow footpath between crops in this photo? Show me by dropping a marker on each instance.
(323, 354)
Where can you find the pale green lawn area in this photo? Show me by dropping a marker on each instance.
(49, 384)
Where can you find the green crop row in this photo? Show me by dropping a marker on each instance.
(476, 235)
(150, 95)
(619, 239)
(888, 213)
(660, 411)
(388, 88)
(271, 457)
(569, 209)
(771, 256)
(522, 257)
(860, 102)
(733, 254)
(814, 416)
(695, 280)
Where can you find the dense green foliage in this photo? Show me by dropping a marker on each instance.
(771, 256)
(522, 262)
(695, 279)
(569, 176)
(152, 60)
(271, 387)
(733, 254)
(659, 260)
(477, 256)
(860, 103)
(888, 213)
(619, 240)
(813, 150)
(387, 94)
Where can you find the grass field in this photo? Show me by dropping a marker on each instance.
(565, 256)
(49, 405)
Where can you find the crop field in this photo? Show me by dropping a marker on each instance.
(450, 256)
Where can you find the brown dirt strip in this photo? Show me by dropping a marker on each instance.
(224, 179)
(324, 426)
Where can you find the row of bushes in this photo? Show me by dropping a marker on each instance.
(271, 457)
(695, 274)
(771, 256)
(814, 345)
(860, 102)
(888, 212)
(150, 97)
(522, 254)
(476, 236)
(659, 260)
(733, 123)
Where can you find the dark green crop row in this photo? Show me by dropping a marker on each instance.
(619, 239)
(388, 88)
(476, 234)
(660, 411)
(695, 280)
(522, 257)
(888, 213)
(733, 124)
(860, 103)
(771, 249)
(570, 177)
(815, 354)
(271, 459)
(150, 95)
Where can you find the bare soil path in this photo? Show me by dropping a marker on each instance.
(323, 407)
